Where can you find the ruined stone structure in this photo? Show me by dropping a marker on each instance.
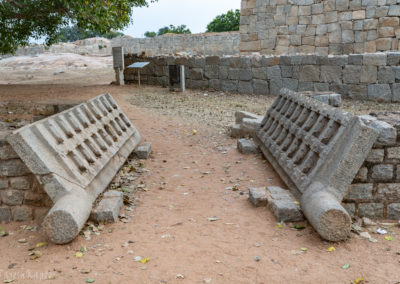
(375, 190)
(344, 46)
(317, 150)
(374, 76)
(319, 27)
(64, 161)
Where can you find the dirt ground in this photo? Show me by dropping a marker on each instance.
(188, 181)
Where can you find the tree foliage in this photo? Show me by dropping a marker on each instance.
(70, 34)
(171, 29)
(182, 29)
(21, 20)
(225, 22)
(150, 34)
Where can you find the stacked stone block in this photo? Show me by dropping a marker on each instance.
(375, 192)
(319, 27)
(21, 197)
(374, 76)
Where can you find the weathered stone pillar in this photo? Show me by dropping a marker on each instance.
(67, 217)
(119, 64)
(119, 76)
(325, 213)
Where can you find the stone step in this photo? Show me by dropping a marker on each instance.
(279, 201)
(107, 210)
(246, 146)
(240, 115)
(258, 196)
(143, 151)
(283, 205)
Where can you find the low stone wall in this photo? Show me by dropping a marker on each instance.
(226, 43)
(92, 46)
(194, 44)
(372, 76)
(21, 196)
(375, 192)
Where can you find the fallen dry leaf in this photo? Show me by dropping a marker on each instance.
(331, 249)
(35, 254)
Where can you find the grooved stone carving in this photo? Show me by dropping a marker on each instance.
(317, 150)
(75, 154)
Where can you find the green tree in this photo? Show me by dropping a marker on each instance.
(21, 20)
(182, 29)
(225, 22)
(150, 34)
(73, 33)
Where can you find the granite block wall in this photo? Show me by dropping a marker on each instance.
(194, 44)
(375, 192)
(370, 76)
(226, 43)
(21, 197)
(319, 27)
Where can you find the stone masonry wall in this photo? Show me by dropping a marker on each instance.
(319, 27)
(226, 43)
(194, 44)
(372, 76)
(21, 197)
(375, 191)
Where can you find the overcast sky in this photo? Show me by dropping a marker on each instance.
(195, 14)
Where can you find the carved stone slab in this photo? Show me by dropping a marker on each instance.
(315, 147)
(75, 154)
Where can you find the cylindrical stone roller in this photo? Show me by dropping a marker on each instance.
(67, 217)
(325, 213)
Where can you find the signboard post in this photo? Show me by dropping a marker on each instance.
(138, 66)
(183, 87)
